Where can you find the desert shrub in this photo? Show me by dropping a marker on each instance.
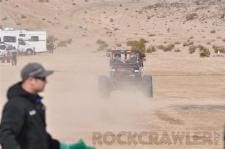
(102, 45)
(44, 1)
(23, 17)
(191, 16)
(177, 42)
(161, 47)
(116, 29)
(149, 17)
(208, 43)
(218, 49)
(197, 2)
(18, 23)
(150, 49)
(177, 50)
(188, 43)
(151, 35)
(168, 47)
(69, 41)
(4, 19)
(138, 45)
(192, 49)
(204, 52)
(154, 6)
(213, 31)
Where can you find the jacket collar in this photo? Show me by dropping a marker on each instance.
(17, 90)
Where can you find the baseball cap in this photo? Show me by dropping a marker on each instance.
(34, 70)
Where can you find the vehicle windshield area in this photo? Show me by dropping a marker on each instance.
(130, 58)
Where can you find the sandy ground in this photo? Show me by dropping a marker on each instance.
(187, 97)
(188, 90)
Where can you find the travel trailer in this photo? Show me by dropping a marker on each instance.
(28, 42)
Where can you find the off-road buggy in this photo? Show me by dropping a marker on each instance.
(126, 71)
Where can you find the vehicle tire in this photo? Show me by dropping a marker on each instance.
(104, 86)
(147, 86)
(29, 52)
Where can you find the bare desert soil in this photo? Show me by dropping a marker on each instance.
(188, 90)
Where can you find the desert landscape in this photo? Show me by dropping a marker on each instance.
(185, 46)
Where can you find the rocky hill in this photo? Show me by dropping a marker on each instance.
(161, 23)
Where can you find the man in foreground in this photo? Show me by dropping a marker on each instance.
(23, 124)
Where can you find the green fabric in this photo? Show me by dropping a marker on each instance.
(64, 146)
(80, 145)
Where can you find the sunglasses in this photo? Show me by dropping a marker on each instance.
(41, 78)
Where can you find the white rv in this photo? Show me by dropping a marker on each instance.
(28, 42)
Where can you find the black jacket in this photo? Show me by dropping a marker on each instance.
(23, 124)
